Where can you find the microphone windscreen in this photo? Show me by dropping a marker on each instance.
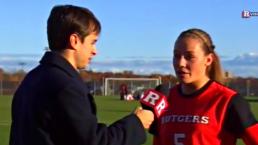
(155, 101)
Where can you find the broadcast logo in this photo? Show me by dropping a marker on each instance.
(248, 14)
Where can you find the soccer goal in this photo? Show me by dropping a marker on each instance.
(112, 86)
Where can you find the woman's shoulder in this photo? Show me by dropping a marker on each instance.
(221, 88)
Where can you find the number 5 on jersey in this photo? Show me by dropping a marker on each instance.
(178, 138)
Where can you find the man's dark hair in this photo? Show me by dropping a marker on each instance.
(65, 20)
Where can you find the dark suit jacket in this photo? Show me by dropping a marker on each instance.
(52, 106)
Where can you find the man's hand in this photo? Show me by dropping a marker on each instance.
(146, 116)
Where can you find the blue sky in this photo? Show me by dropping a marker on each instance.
(135, 29)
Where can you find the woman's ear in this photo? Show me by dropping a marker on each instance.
(209, 59)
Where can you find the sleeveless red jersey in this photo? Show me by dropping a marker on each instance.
(197, 119)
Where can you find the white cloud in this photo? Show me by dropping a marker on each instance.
(243, 65)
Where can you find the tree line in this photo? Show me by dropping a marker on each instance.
(246, 86)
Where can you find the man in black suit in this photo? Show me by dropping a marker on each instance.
(52, 106)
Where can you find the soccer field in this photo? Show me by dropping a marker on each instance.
(109, 110)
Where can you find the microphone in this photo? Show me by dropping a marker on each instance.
(154, 101)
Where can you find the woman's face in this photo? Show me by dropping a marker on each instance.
(190, 62)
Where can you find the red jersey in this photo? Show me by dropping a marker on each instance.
(197, 119)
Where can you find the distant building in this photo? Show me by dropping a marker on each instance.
(1, 74)
(228, 75)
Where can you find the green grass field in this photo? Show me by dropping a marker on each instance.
(109, 110)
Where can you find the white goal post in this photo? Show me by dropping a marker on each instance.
(112, 85)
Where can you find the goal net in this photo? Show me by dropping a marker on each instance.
(112, 86)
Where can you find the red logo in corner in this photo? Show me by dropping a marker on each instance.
(246, 14)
